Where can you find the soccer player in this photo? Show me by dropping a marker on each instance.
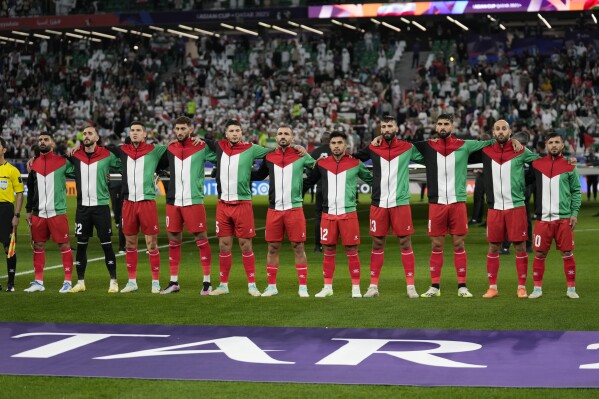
(185, 201)
(285, 169)
(11, 201)
(234, 213)
(505, 188)
(557, 202)
(46, 210)
(390, 202)
(339, 174)
(92, 165)
(139, 162)
(446, 161)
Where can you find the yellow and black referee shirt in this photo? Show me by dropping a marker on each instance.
(10, 182)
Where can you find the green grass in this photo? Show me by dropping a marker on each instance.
(392, 310)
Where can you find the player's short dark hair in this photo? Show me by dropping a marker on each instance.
(449, 117)
(388, 118)
(92, 126)
(46, 133)
(551, 135)
(284, 126)
(139, 123)
(338, 134)
(231, 122)
(2, 142)
(183, 120)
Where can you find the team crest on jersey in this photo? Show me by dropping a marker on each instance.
(155, 228)
(3, 184)
(356, 238)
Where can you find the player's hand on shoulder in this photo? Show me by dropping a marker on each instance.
(572, 161)
(196, 140)
(71, 151)
(377, 141)
(516, 145)
(301, 151)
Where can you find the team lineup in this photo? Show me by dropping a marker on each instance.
(556, 182)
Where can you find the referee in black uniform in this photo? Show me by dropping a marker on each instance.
(11, 200)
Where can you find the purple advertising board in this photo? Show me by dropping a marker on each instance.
(309, 355)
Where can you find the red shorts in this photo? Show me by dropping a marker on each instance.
(399, 218)
(235, 219)
(193, 216)
(291, 221)
(346, 226)
(560, 231)
(141, 214)
(447, 219)
(512, 223)
(43, 228)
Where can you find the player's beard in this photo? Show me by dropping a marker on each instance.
(88, 144)
(44, 149)
(556, 154)
(502, 140)
(443, 134)
(183, 139)
(388, 136)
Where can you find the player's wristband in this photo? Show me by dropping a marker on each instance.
(18, 215)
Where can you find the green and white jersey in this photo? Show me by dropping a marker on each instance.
(504, 175)
(46, 185)
(235, 163)
(91, 175)
(138, 167)
(285, 169)
(446, 163)
(339, 182)
(557, 193)
(186, 165)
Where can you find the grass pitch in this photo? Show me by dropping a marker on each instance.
(391, 310)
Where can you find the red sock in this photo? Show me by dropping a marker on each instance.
(302, 273)
(328, 266)
(570, 270)
(353, 261)
(225, 261)
(205, 255)
(492, 268)
(409, 264)
(377, 258)
(155, 263)
(460, 262)
(249, 264)
(538, 269)
(271, 273)
(131, 259)
(436, 266)
(39, 260)
(174, 256)
(67, 263)
(522, 267)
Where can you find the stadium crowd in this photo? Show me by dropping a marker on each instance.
(314, 84)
